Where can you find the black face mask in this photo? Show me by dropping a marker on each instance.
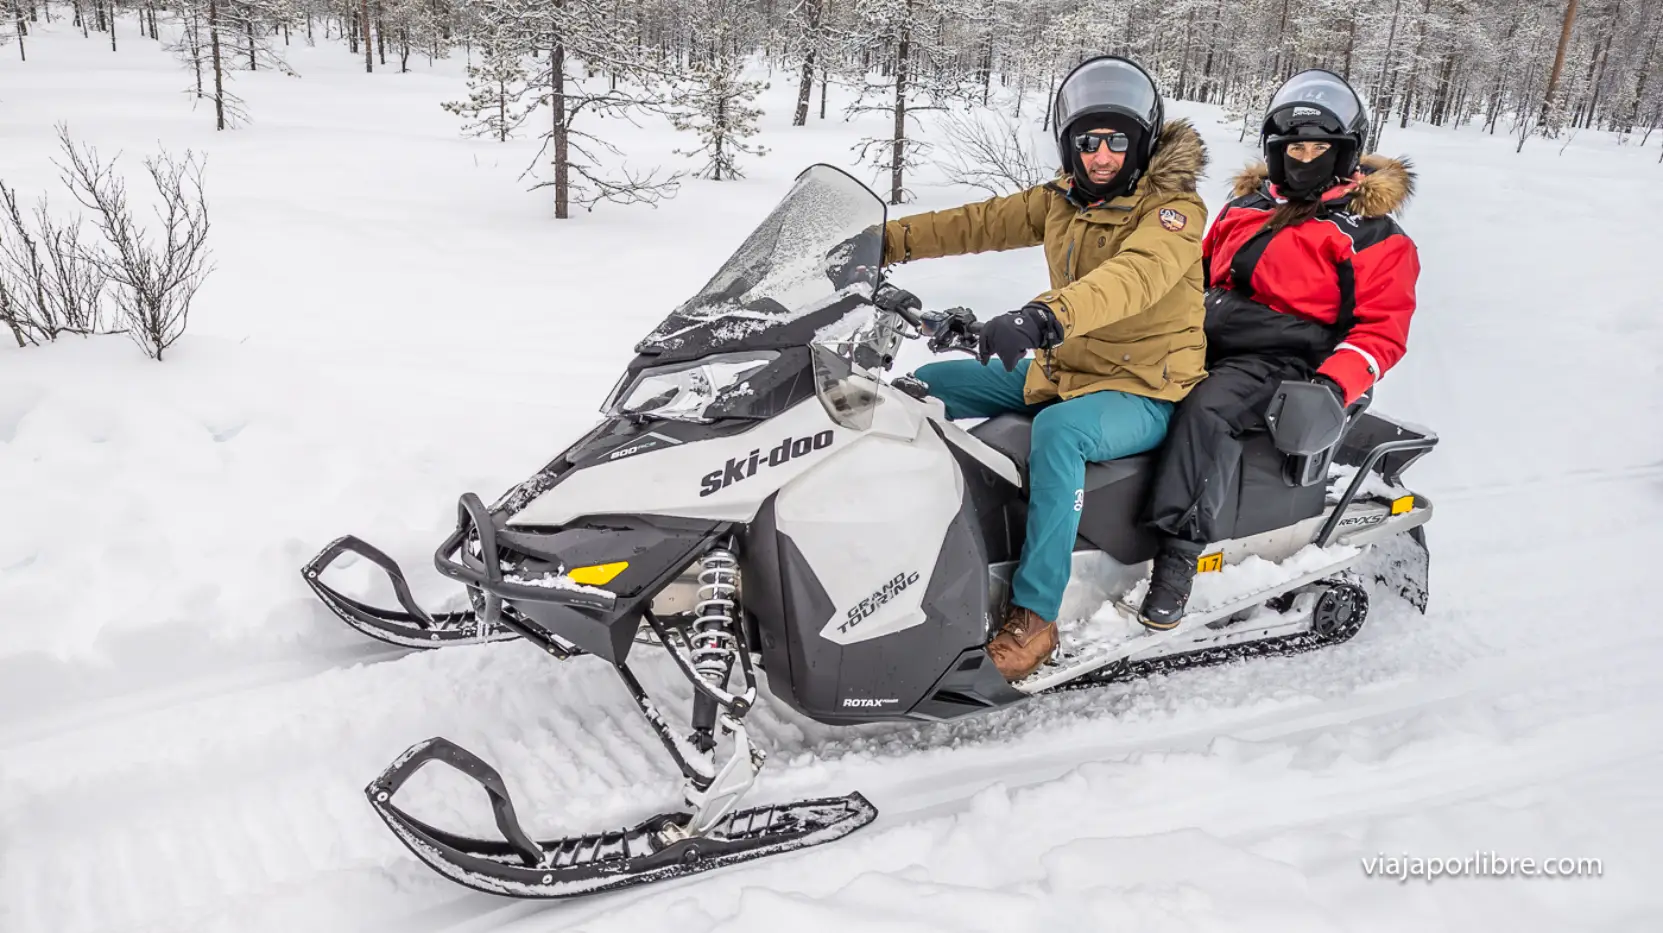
(1304, 181)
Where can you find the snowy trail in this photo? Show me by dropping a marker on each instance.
(287, 785)
(168, 683)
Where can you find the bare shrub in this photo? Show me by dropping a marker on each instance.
(50, 285)
(991, 152)
(154, 274)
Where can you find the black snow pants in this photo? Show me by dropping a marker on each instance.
(1202, 456)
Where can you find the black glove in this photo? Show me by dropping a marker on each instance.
(1011, 335)
(1331, 386)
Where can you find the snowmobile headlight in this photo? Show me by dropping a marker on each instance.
(684, 391)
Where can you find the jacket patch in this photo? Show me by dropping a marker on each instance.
(1172, 220)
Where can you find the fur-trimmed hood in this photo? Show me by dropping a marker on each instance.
(1381, 186)
(1180, 158)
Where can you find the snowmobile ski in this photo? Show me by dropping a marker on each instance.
(414, 627)
(665, 846)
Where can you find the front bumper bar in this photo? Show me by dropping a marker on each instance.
(414, 627)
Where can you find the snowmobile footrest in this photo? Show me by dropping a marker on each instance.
(414, 627)
(654, 850)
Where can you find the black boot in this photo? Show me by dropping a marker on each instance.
(1169, 584)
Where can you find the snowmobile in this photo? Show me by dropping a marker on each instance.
(765, 505)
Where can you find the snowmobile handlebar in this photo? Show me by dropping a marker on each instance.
(951, 329)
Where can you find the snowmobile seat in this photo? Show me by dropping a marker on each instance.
(1111, 519)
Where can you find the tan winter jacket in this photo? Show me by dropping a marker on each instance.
(1125, 273)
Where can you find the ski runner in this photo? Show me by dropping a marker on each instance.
(1118, 334)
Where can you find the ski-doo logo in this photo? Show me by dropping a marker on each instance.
(742, 468)
(863, 703)
(860, 613)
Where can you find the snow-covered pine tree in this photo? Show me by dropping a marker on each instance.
(718, 105)
(594, 67)
(215, 37)
(13, 27)
(500, 97)
(809, 17)
(911, 41)
(713, 99)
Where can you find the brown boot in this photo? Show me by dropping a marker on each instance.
(1024, 642)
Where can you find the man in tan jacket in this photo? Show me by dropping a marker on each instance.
(1118, 334)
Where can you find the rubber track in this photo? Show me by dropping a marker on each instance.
(1280, 646)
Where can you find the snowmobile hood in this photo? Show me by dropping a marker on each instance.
(812, 261)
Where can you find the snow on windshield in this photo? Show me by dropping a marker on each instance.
(797, 261)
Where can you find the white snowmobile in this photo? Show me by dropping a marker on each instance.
(760, 500)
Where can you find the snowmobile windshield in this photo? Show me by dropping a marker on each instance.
(812, 261)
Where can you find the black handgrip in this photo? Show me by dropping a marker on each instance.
(899, 301)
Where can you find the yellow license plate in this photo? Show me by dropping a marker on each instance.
(1209, 563)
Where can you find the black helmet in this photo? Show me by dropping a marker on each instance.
(1316, 106)
(1109, 84)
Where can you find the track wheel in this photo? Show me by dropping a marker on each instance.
(1340, 611)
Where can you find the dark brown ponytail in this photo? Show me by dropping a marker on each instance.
(1291, 214)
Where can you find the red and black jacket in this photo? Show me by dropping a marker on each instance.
(1338, 289)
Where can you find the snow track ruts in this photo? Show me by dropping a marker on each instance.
(248, 820)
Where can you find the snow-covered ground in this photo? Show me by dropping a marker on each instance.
(184, 732)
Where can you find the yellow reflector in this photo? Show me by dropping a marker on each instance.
(599, 574)
(1207, 563)
(1402, 504)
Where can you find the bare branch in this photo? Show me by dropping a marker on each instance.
(153, 284)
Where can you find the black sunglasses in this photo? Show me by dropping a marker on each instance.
(1091, 142)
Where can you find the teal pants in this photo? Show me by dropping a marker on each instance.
(1067, 435)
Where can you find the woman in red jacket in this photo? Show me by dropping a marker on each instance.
(1308, 278)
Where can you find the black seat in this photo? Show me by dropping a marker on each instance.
(1012, 435)
(1111, 519)
(1261, 496)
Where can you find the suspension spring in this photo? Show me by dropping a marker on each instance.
(712, 636)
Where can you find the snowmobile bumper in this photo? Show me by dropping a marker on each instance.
(656, 849)
(538, 601)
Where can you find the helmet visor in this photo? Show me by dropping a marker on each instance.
(1106, 85)
(1315, 99)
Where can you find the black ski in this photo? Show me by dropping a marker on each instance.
(653, 850)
